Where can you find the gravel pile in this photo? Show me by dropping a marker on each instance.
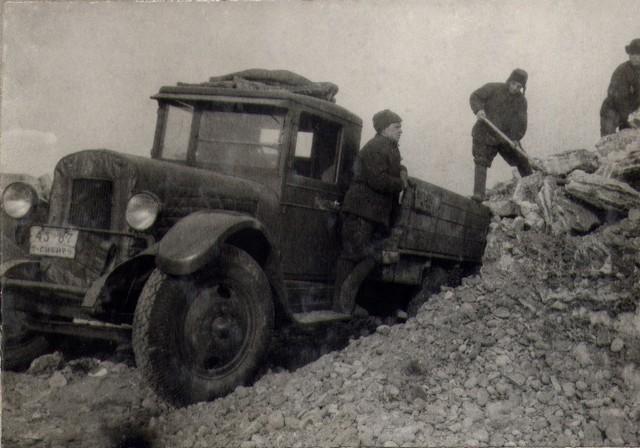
(542, 348)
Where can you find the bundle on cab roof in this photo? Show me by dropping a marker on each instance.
(263, 79)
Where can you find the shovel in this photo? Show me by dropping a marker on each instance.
(516, 147)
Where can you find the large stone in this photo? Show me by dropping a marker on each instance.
(46, 363)
(602, 193)
(566, 162)
(503, 208)
(617, 142)
(624, 166)
(561, 214)
(634, 119)
(527, 188)
(613, 422)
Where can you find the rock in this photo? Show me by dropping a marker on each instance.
(57, 380)
(46, 363)
(527, 188)
(519, 224)
(568, 389)
(617, 345)
(481, 435)
(504, 208)
(544, 397)
(498, 410)
(617, 142)
(592, 435)
(634, 214)
(562, 214)
(532, 215)
(275, 421)
(626, 169)
(634, 119)
(502, 360)
(482, 397)
(602, 193)
(612, 421)
(102, 371)
(564, 163)
(415, 391)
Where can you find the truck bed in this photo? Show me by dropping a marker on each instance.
(439, 223)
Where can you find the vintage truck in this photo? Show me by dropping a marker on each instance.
(229, 231)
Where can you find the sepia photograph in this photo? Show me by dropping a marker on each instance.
(308, 223)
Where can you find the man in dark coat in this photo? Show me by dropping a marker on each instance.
(505, 105)
(623, 94)
(378, 179)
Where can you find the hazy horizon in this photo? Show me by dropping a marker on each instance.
(79, 75)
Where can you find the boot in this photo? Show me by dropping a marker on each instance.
(479, 183)
(343, 269)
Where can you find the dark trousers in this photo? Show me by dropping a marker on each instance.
(610, 121)
(360, 238)
(483, 155)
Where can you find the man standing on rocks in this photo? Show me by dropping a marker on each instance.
(504, 104)
(623, 94)
(378, 179)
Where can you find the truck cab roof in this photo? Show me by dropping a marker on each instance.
(203, 92)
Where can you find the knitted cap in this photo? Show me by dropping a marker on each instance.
(382, 119)
(519, 75)
(633, 47)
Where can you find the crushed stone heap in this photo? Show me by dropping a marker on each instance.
(542, 348)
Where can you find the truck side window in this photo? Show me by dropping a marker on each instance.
(316, 150)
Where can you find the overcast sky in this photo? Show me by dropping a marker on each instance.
(79, 75)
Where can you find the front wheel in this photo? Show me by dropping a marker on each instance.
(198, 337)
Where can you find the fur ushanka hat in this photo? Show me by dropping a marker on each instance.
(382, 119)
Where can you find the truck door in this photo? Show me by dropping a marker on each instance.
(309, 238)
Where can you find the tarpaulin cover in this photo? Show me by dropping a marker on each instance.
(262, 79)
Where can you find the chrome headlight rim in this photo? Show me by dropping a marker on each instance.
(142, 210)
(18, 207)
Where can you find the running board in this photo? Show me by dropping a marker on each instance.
(319, 317)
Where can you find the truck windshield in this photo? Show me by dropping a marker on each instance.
(244, 136)
(229, 135)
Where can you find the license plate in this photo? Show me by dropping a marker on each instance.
(53, 242)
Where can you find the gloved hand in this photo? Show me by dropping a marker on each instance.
(405, 179)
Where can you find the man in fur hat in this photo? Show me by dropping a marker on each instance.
(378, 179)
(505, 105)
(623, 94)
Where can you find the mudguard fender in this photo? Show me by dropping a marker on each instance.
(195, 240)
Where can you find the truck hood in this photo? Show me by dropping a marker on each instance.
(180, 188)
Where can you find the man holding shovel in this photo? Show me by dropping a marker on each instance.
(501, 109)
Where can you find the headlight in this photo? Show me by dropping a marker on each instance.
(142, 211)
(18, 199)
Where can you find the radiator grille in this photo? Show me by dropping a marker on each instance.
(91, 203)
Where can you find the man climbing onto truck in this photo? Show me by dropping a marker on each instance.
(378, 179)
(505, 106)
(623, 94)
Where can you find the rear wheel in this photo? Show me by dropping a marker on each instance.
(20, 346)
(198, 337)
(431, 283)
